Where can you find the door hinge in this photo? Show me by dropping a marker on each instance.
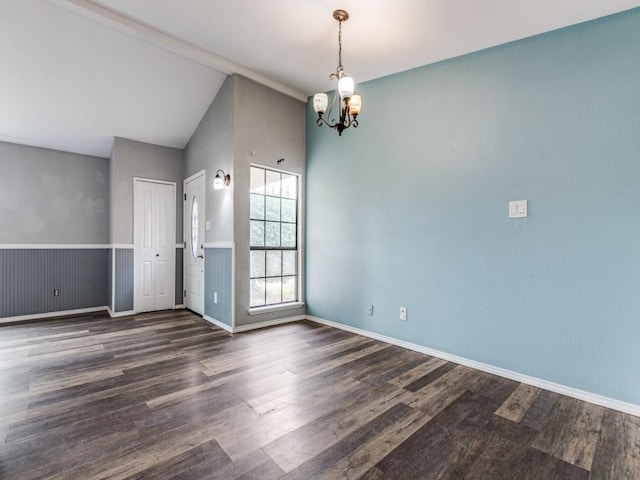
(185, 197)
(185, 244)
(184, 293)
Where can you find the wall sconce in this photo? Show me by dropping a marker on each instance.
(220, 181)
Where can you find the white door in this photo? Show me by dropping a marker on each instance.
(154, 238)
(194, 243)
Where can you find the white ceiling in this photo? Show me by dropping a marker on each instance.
(76, 73)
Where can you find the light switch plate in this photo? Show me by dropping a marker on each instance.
(517, 209)
(207, 225)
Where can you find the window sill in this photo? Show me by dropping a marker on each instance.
(275, 308)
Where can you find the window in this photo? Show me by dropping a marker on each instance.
(274, 237)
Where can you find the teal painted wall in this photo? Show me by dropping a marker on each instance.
(411, 208)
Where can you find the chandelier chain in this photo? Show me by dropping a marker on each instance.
(340, 69)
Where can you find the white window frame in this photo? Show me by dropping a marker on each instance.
(255, 310)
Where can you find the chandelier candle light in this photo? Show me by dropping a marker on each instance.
(350, 104)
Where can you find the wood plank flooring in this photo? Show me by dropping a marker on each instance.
(166, 395)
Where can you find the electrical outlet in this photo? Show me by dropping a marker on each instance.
(56, 292)
(370, 311)
(403, 314)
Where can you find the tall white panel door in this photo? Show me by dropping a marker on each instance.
(154, 240)
(194, 242)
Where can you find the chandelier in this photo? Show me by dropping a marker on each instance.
(349, 103)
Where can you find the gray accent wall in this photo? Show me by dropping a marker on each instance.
(211, 148)
(269, 126)
(218, 279)
(131, 159)
(123, 280)
(247, 123)
(55, 198)
(52, 197)
(28, 278)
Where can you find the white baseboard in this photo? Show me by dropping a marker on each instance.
(253, 326)
(218, 323)
(268, 323)
(125, 313)
(61, 313)
(179, 307)
(518, 377)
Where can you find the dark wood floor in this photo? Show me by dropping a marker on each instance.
(169, 396)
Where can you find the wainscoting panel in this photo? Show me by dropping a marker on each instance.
(124, 280)
(218, 272)
(110, 278)
(179, 272)
(28, 278)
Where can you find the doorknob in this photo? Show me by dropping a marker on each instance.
(157, 254)
(200, 256)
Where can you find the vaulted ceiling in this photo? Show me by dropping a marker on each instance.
(76, 73)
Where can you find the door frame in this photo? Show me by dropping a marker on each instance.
(135, 249)
(187, 221)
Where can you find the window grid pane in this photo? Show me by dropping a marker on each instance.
(256, 207)
(273, 239)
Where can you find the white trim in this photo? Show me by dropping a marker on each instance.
(218, 323)
(125, 313)
(153, 180)
(179, 245)
(179, 307)
(253, 326)
(275, 169)
(274, 308)
(518, 377)
(219, 245)
(52, 246)
(194, 176)
(63, 246)
(61, 313)
(268, 323)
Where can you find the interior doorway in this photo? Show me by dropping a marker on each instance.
(154, 238)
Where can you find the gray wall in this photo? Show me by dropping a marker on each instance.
(268, 126)
(131, 159)
(210, 149)
(52, 197)
(246, 123)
